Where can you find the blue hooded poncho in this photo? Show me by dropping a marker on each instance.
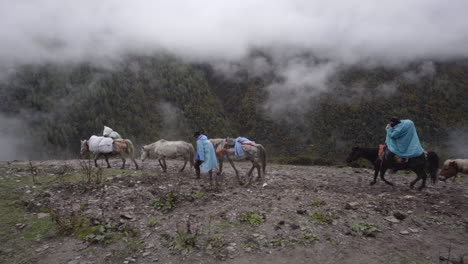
(403, 140)
(206, 152)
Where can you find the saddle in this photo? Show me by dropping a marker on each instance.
(383, 154)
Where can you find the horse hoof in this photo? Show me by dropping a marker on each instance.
(373, 182)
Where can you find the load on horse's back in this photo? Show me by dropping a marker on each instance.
(109, 132)
(241, 149)
(108, 147)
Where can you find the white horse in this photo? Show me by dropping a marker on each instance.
(120, 147)
(254, 153)
(163, 149)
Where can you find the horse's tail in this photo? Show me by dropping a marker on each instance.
(262, 157)
(131, 151)
(433, 165)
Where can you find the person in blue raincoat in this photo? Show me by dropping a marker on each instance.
(206, 155)
(402, 139)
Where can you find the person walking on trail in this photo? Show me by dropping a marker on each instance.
(402, 140)
(206, 155)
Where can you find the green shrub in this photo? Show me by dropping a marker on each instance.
(251, 218)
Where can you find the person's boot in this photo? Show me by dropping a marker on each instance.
(198, 174)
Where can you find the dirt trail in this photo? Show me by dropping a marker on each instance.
(297, 214)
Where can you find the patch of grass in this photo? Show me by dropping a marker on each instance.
(17, 243)
(105, 233)
(251, 242)
(68, 223)
(198, 195)
(308, 238)
(317, 203)
(215, 245)
(183, 241)
(321, 218)
(166, 203)
(364, 228)
(327, 235)
(224, 224)
(277, 243)
(251, 218)
(127, 248)
(153, 223)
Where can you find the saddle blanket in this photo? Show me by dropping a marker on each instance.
(100, 144)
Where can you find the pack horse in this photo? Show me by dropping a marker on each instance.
(109, 147)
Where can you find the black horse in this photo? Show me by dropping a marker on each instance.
(426, 162)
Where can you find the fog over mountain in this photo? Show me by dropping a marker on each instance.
(303, 44)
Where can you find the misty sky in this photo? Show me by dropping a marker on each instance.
(346, 32)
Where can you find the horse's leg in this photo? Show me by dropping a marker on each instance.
(220, 161)
(181, 170)
(418, 177)
(421, 175)
(160, 163)
(376, 173)
(237, 172)
(259, 170)
(165, 165)
(123, 162)
(136, 164)
(210, 173)
(383, 169)
(249, 174)
(107, 161)
(96, 158)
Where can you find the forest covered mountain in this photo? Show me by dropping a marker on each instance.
(146, 98)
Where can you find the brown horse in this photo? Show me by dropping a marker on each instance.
(120, 147)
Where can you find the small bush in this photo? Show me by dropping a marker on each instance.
(182, 241)
(321, 217)
(166, 203)
(364, 228)
(153, 223)
(197, 195)
(251, 218)
(308, 238)
(318, 203)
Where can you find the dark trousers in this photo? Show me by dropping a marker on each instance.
(197, 165)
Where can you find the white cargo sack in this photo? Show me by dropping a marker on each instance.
(108, 132)
(100, 144)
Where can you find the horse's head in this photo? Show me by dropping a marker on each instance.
(144, 153)
(84, 147)
(448, 171)
(354, 155)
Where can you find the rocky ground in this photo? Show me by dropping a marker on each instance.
(70, 214)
